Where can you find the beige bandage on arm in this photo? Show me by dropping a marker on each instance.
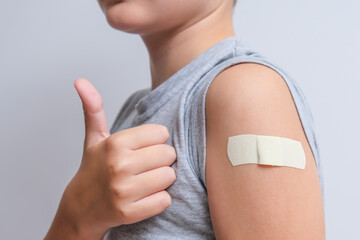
(268, 150)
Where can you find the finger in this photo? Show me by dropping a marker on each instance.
(95, 121)
(149, 206)
(152, 157)
(153, 181)
(141, 136)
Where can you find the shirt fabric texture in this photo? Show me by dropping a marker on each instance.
(179, 104)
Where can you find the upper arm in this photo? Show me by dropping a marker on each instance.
(256, 201)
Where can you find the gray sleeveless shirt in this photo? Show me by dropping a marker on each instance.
(179, 104)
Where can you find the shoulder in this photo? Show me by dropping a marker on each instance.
(247, 86)
(251, 98)
(256, 96)
(254, 99)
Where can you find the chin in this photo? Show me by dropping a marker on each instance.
(127, 18)
(140, 19)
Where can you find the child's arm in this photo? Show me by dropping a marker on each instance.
(121, 179)
(254, 201)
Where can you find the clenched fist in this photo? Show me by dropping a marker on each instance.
(121, 179)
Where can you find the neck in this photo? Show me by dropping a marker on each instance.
(172, 50)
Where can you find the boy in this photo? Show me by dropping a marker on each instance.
(165, 169)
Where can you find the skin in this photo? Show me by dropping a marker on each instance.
(174, 32)
(123, 177)
(254, 201)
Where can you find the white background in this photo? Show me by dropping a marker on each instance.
(45, 45)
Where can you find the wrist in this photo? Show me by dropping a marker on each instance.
(64, 227)
(68, 224)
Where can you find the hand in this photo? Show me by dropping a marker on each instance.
(122, 177)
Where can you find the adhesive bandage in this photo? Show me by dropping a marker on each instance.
(267, 150)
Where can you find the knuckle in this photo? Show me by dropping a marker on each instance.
(130, 190)
(119, 166)
(123, 211)
(121, 191)
(112, 168)
(110, 144)
(113, 188)
(115, 142)
(123, 166)
(116, 167)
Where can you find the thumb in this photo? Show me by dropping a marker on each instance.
(96, 128)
